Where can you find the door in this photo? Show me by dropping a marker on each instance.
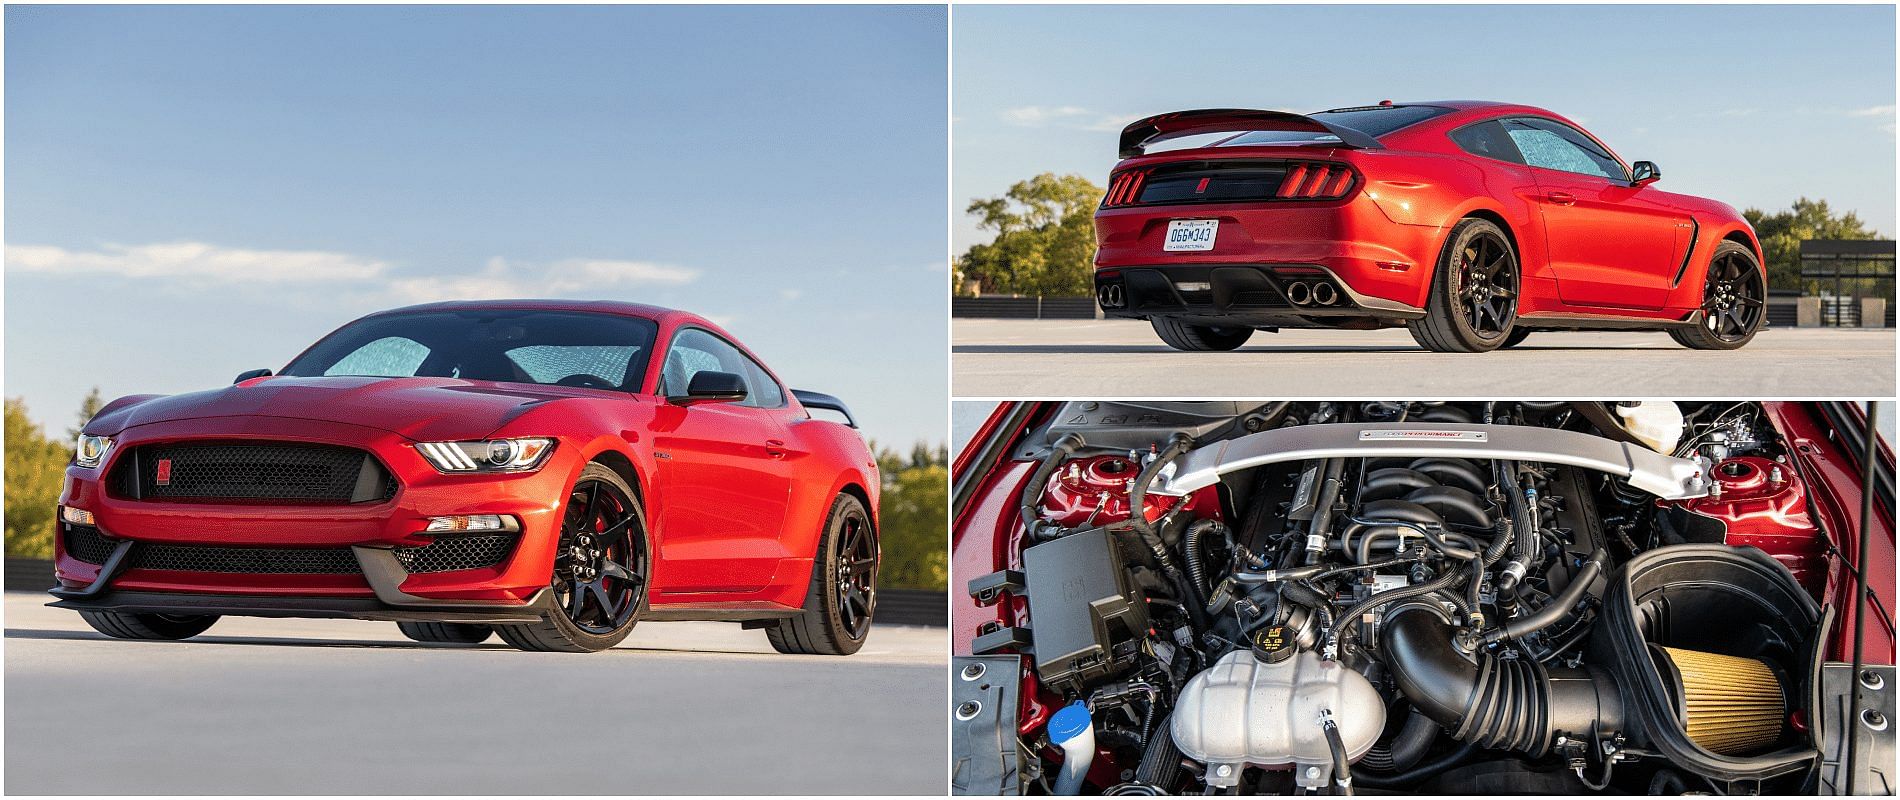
(723, 480)
(1610, 244)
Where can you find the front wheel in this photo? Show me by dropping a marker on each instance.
(1200, 338)
(1473, 302)
(842, 594)
(127, 625)
(1734, 302)
(445, 632)
(600, 570)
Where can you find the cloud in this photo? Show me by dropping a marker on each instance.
(192, 264)
(502, 278)
(1065, 117)
(1872, 111)
(791, 295)
(195, 261)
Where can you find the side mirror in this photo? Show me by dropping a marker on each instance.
(1644, 173)
(256, 373)
(711, 387)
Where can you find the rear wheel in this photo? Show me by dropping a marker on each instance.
(126, 625)
(1182, 336)
(445, 632)
(1734, 302)
(842, 595)
(600, 570)
(1473, 302)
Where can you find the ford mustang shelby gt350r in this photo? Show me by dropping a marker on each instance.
(550, 471)
(1449, 598)
(1472, 224)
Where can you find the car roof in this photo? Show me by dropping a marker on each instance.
(655, 313)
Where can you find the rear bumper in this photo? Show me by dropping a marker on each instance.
(362, 537)
(1384, 266)
(1278, 295)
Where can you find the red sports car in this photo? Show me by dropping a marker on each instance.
(1470, 598)
(550, 471)
(1470, 223)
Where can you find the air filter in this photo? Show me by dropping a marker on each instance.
(1727, 704)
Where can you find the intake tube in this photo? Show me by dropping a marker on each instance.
(1494, 703)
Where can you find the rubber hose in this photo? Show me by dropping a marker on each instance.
(1322, 524)
(1138, 492)
(1419, 773)
(1556, 609)
(1353, 614)
(1032, 491)
(1191, 542)
(1667, 782)
(1160, 761)
(1494, 703)
(1342, 766)
(1407, 746)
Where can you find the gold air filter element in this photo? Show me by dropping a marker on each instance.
(1727, 704)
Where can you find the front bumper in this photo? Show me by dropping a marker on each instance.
(364, 551)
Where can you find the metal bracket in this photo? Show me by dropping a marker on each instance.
(1664, 476)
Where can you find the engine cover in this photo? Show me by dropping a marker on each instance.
(1243, 711)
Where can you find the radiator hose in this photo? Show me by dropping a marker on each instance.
(1491, 702)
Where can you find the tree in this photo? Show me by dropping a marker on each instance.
(1781, 234)
(88, 408)
(35, 467)
(913, 513)
(1045, 238)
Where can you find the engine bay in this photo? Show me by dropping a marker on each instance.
(1459, 597)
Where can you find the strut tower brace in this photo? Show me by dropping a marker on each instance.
(1664, 476)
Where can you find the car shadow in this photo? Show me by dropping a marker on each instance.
(371, 644)
(1099, 349)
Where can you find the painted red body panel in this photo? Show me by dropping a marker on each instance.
(1612, 250)
(734, 510)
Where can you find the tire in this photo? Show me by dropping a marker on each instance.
(1517, 337)
(1473, 303)
(1199, 338)
(163, 627)
(445, 632)
(842, 595)
(589, 541)
(1734, 302)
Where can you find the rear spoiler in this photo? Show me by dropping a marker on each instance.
(827, 402)
(1162, 127)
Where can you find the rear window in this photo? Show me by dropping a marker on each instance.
(1374, 121)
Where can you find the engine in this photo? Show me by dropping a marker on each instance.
(1505, 597)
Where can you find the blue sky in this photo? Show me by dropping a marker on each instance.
(196, 191)
(1751, 105)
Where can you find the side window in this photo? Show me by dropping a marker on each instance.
(1552, 145)
(1487, 140)
(388, 357)
(696, 351)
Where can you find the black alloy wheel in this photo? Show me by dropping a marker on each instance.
(857, 575)
(1734, 301)
(602, 560)
(841, 599)
(1474, 292)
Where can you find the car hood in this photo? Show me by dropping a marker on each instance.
(418, 408)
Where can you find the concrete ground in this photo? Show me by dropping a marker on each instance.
(257, 706)
(1124, 358)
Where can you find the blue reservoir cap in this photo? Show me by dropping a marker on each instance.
(1069, 723)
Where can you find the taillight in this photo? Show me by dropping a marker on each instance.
(1125, 188)
(1315, 181)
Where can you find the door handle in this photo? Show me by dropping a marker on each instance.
(1563, 198)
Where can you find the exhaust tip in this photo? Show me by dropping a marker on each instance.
(1298, 293)
(1110, 296)
(1324, 294)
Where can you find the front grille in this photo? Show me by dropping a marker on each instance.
(286, 472)
(457, 552)
(246, 560)
(86, 544)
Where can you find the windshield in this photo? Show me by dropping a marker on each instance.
(1374, 121)
(560, 348)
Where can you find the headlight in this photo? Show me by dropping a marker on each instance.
(90, 449)
(491, 455)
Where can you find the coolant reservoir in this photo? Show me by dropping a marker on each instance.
(1246, 711)
(1657, 423)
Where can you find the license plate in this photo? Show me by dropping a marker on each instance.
(1190, 235)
